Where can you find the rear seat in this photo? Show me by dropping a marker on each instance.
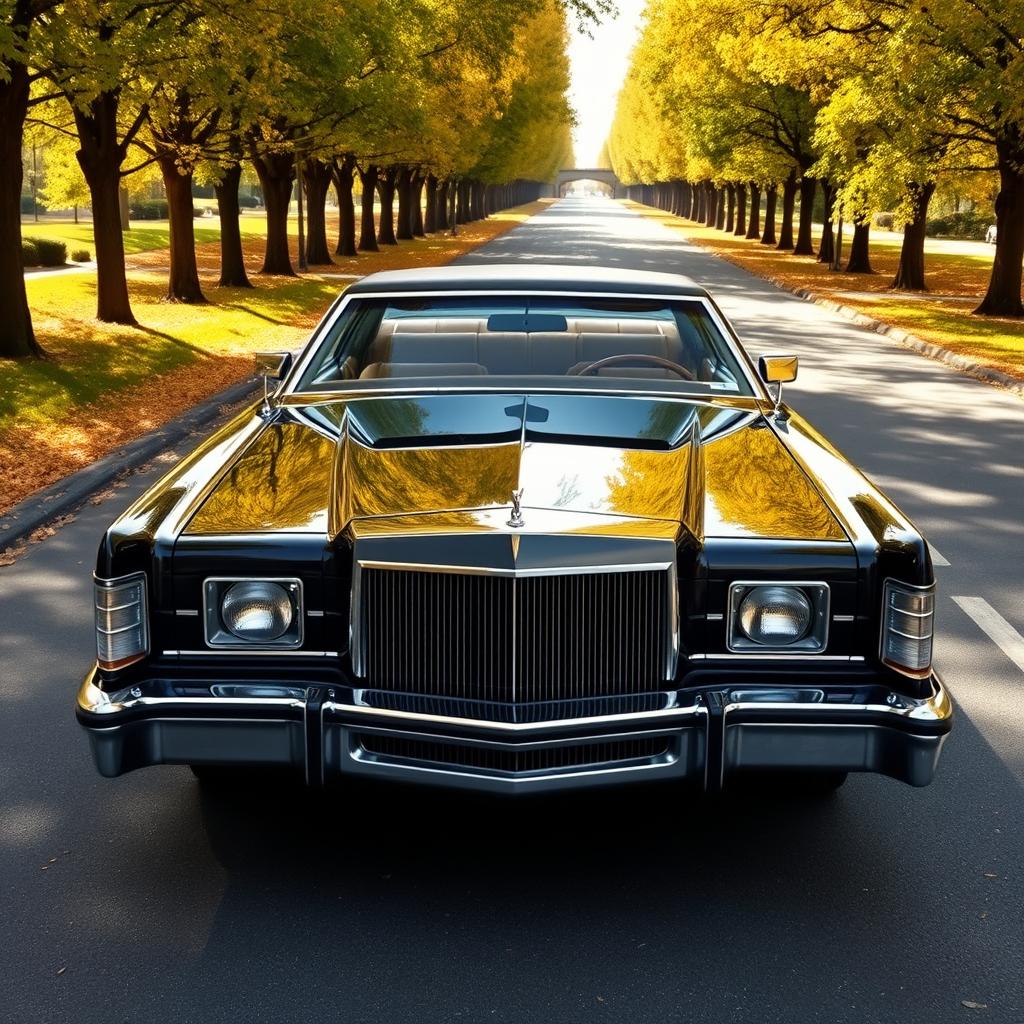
(457, 346)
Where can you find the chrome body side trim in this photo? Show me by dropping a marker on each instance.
(757, 656)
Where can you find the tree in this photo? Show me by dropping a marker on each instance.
(21, 24)
(102, 58)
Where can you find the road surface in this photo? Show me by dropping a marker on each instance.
(145, 899)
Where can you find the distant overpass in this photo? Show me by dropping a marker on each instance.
(568, 175)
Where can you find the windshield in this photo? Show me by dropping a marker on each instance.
(378, 341)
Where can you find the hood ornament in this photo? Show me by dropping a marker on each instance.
(517, 512)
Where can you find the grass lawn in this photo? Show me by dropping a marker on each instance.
(943, 316)
(150, 235)
(104, 385)
(144, 236)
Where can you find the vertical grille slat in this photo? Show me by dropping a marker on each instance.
(515, 639)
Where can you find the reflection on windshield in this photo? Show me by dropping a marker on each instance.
(381, 342)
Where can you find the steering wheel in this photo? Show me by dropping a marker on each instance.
(623, 357)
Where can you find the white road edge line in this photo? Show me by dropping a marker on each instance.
(1002, 634)
(937, 559)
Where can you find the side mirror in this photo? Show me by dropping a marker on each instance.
(271, 366)
(776, 370)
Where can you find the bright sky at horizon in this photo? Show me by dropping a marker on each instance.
(598, 68)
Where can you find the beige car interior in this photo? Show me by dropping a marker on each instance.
(464, 346)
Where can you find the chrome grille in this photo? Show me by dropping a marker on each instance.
(515, 760)
(515, 639)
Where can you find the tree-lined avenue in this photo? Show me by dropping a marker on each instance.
(143, 898)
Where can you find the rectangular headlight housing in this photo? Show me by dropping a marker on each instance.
(908, 616)
(122, 621)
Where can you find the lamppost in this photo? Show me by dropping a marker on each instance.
(302, 230)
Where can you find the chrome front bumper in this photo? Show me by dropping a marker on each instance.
(706, 735)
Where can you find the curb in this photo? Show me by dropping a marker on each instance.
(988, 374)
(68, 494)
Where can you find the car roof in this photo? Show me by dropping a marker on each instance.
(540, 277)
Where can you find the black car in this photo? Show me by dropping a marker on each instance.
(518, 529)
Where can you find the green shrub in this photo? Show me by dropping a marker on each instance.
(27, 207)
(248, 202)
(51, 252)
(148, 209)
(964, 224)
(883, 221)
(29, 253)
(81, 256)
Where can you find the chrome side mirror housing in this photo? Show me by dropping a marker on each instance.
(776, 370)
(271, 366)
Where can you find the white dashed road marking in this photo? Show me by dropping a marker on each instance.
(1006, 638)
(937, 559)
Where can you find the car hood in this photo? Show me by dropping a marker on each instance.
(576, 462)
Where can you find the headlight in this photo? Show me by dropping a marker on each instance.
(908, 614)
(775, 615)
(257, 611)
(122, 626)
(778, 616)
(253, 613)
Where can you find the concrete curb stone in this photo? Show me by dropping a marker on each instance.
(68, 494)
(966, 365)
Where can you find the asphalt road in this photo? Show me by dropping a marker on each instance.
(145, 899)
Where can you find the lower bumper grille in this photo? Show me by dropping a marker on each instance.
(518, 761)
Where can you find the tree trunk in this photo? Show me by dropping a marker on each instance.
(346, 208)
(805, 237)
(100, 156)
(386, 190)
(276, 172)
(910, 272)
(183, 280)
(430, 221)
(316, 176)
(753, 221)
(696, 197)
(720, 214)
(711, 210)
(771, 198)
(1003, 295)
(701, 203)
(403, 183)
(788, 201)
(730, 216)
(367, 229)
(741, 210)
(124, 209)
(827, 249)
(418, 227)
(462, 202)
(232, 262)
(17, 339)
(441, 220)
(860, 256)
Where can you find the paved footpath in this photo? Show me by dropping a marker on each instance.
(143, 899)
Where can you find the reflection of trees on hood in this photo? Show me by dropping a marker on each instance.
(650, 484)
(281, 482)
(428, 479)
(752, 483)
